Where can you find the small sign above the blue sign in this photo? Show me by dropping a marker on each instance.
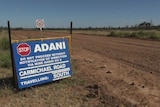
(39, 62)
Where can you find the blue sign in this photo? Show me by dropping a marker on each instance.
(39, 62)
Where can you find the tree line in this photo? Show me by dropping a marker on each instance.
(141, 26)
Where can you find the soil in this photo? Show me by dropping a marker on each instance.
(120, 72)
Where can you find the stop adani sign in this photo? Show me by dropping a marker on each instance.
(23, 49)
(39, 62)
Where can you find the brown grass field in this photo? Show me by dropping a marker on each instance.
(107, 72)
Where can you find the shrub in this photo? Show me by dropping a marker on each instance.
(154, 37)
(125, 34)
(134, 34)
(112, 33)
(119, 34)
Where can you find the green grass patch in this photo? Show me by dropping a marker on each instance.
(139, 34)
(3, 33)
(4, 43)
(136, 34)
(5, 60)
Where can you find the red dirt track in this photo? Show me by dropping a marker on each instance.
(120, 72)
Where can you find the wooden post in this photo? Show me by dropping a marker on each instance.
(71, 37)
(71, 28)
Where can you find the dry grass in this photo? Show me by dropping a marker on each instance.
(63, 93)
(3, 33)
(68, 92)
(92, 32)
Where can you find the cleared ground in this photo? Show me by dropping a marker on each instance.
(108, 72)
(126, 71)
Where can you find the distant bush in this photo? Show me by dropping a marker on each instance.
(119, 34)
(134, 34)
(113, 33)
(4, 43)
(154, 37)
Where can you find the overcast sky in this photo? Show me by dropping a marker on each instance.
(83, 13)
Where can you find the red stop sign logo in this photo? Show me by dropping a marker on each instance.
(23, 49)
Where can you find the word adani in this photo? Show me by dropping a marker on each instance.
(49, 47)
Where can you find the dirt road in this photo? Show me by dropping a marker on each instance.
(120, 72)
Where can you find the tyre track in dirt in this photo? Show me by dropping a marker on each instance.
(115, 78)
(118, 84)
(141, 54)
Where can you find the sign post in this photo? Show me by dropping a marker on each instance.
(12, 57)
(71, 28)
(40, 24)
(71, 35)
